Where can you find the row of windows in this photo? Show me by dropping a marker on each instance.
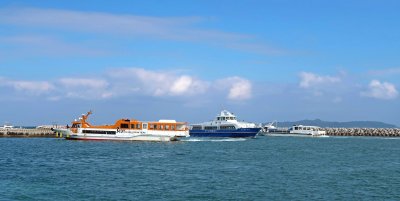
(133, 126)
(151, 126)
(305, 128)
(226, 118)
(210, 128)
(161, 127)
(227, 127)
(214, 128)
(99, 132)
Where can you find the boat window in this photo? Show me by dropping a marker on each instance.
(218, 118)
(161, 127)
(172, 127)
(227, 127)
(144, 126)
(166, 127)
(99, 132)
(210, 128)
(196, 128)
(133, 126)
(296, 128)
(138, 126)
(124, 125)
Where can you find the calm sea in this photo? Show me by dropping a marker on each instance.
(265, 168)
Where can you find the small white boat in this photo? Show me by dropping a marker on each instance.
(296, 130)
(7, 126)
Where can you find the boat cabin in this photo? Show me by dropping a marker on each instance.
(305, 128)
(226, 116)
(130, 124)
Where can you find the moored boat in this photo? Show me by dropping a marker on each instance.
(225, 124)
(7, 126)
(296, 130)
(125, 129)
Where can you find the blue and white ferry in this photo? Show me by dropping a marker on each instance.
(224, 125)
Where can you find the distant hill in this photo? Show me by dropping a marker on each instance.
(350, 124)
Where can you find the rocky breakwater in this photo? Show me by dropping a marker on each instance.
(376, 132)
(27, 132)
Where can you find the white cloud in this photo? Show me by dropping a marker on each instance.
(85, 88)
(310, 80)
(135, 81)
(187, 28)
(181, 85)
(32, 87)
(381, 90)
(239, 88)
(48, 45)
(83, 82)
(160, 83)
(161, 27)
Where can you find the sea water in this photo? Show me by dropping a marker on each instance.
(265, 168)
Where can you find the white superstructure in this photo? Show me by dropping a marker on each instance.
(307, 130)
(7, 126)
(224, 120)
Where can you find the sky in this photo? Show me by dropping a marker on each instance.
(263, 60)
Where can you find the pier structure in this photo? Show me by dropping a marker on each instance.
(27, 132)
(375, 132)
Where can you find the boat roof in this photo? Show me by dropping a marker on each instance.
(225, 113)
(307, 126)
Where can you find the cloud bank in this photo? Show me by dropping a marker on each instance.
(310, 80)
(30, 87)
(126, 82)
(381, 90)
(188, 28)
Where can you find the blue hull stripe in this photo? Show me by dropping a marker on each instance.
(242, 132)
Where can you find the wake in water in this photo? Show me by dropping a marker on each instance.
(214, 139)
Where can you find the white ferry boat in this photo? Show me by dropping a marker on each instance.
(7, 126)
(125, 129)
(225, 124)
(296, 130)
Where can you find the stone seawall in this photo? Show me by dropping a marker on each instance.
(24, 132)
(377, 132)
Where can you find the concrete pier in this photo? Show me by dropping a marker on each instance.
(24, 132)
(375, 132)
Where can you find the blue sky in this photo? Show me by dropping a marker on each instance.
(186, 60)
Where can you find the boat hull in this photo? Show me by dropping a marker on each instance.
(150, 138)
(238, 133)
(153, 137)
